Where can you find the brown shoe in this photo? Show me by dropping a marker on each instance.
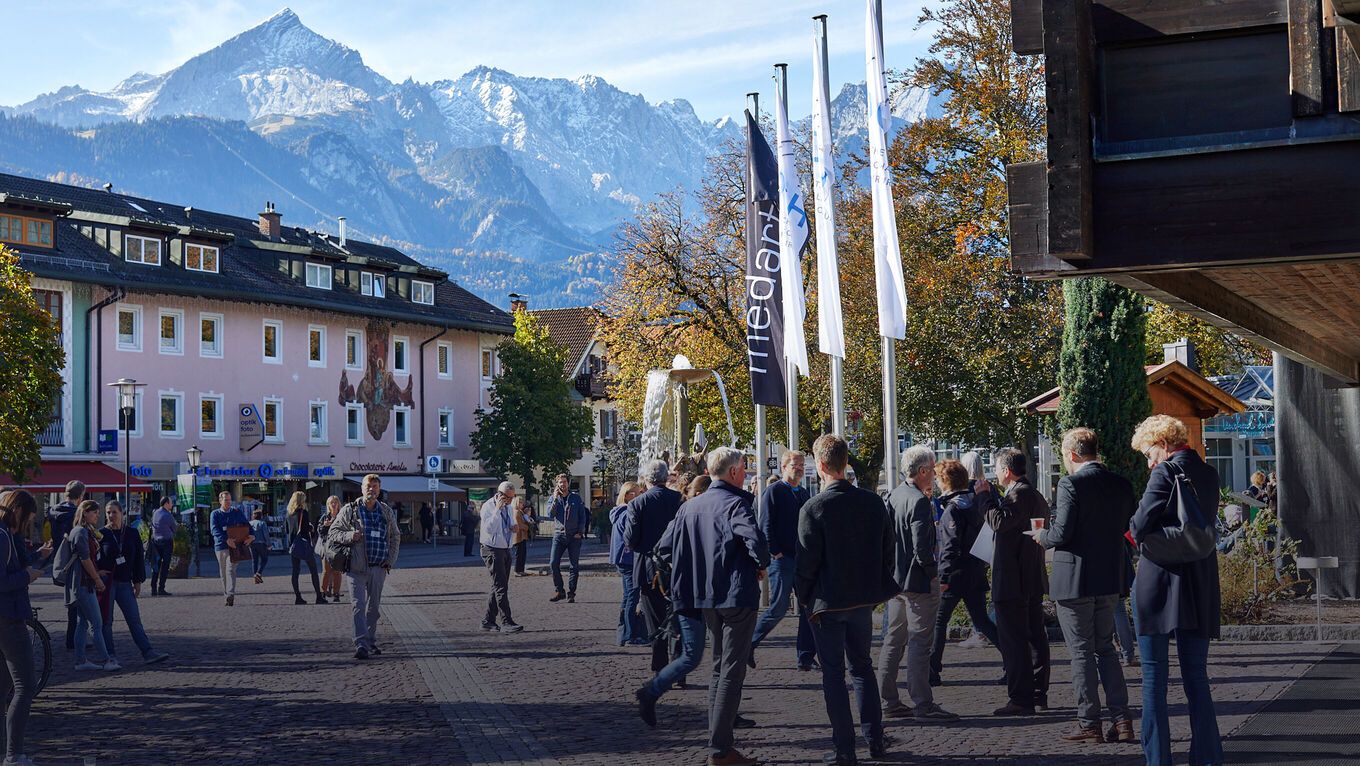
(258, 578)
(230, 600)
(1084, 734)
(1120, 731)
(733, 758)
(1010, 708)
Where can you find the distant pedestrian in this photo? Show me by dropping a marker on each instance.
(259, 549)
(227, 516)
(569, 516)
(631, 631)
(717, 557)
(524, 521)
(498, 534)
(467, 524)
(60, 520)
(780, 505)
(1180, 599)
(163, 527)
(120, 554)
(18, 683)
(646, 519)
(83, 582)
(846, 553)
(300, 528)
(426, 523)
(330, 578)
(1094, 505)
(1019, 582)
(963, 576)
(369, 527)
(909, 617)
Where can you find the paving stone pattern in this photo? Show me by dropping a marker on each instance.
(269, 682)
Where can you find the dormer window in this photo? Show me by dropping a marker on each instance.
(422, 292)
(200, 258)
(319, 276)
(144, 250)
(372, 284)
(25, 231)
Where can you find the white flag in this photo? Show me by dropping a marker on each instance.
(793, 237)
(830, 327)
(892, 291)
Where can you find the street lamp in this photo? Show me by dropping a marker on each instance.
(195, 460)
(127, 405)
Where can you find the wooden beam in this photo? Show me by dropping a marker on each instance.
(1196, 293)
(1348, 67)
(1305, 57)
(1027, 27)
(1069, 73)
(1129, 20)
(1027, 192)
(1347, 11)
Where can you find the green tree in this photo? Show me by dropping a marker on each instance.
(31, 359)
(1217, 352)
(1100, 369)
(532, 423)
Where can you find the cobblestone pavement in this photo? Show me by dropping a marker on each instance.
(270, 682)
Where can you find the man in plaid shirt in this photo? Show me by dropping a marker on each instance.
(369, 526)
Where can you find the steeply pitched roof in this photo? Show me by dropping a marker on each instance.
(1208, 398)
(572, 327)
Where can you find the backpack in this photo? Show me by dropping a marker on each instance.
(1192, 538)
(63, 562)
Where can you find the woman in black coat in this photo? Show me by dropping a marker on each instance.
(300, 526)
(1179, 599)
(963, 576)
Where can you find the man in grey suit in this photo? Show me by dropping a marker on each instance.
(1087, 537)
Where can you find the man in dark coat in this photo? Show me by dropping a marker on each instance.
(644, 522)
(1087, 538)
(844, 570)
(1019, 581)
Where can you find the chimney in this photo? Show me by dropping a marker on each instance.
(108, 188)
(269, 222)
(518, 303)
(342, 231)
(1183, 351)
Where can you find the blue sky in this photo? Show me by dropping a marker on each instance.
(710, 52)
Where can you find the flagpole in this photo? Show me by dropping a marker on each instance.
(762, 441)
(837, 373)
(781, 78)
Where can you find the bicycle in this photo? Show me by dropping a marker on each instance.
(42, 651)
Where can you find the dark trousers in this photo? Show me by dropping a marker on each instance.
(467, 543)
(164, 549)
(976, 603)
(665, 634)
(521, 553)
(18, 679)
(841, 637)
(71, 627)
(497, 562)
(310, 561)
(729, 631)
(1024, 649)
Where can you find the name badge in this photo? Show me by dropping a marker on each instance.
(375, 533)
(120, 560)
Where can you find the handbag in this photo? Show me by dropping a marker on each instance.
(238, 532)
(337, 555)
(1192, 538)
(301, 547)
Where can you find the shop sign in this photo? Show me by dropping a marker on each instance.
(251, 428)
(154, 471)
(263, 471)
(463, 466)
(378, 467)
(108, 441)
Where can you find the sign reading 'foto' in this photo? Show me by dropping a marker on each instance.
(252, 429)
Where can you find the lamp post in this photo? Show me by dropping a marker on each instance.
(127, 406)
(195, 460)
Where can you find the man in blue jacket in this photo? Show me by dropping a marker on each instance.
(718, 557)
(568, 513)
(780, 504)
(221, 518)
(644, 522)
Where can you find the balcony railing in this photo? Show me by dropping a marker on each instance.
(51, 436)
(592, 385)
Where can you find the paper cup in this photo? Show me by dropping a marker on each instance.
(1036, 524)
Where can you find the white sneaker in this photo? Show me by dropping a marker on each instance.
(975, 641)
(19, 760)
(87, 665)
(112, 664)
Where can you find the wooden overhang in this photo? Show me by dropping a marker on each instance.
(1197, 392)
(1203, 153)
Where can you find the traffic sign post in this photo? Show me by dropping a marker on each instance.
(432, 465)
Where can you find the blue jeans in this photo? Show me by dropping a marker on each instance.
(781, 587)
(1123, 627)
(571, 546)
(692, 642)
(87, 618)
(259, 557)
(841, 636)
(1206, 747)
(127, 604)
(630, 622)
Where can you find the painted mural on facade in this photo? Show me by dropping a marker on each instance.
(377, 390)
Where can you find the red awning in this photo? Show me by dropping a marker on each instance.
(53, 475)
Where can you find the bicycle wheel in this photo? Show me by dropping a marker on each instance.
(42, 653)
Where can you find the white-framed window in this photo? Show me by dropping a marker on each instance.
(171, 331)
(488, 363)
(171, 415)
(354, 349)
(316, 422)
(200, 258)
(379, 286)
(401, 355)
(272, 341)
(366, 282)
(443, 359)
(354, 424)
(210, 335)
(210, 415)
(129, 327)
(144, 250)
(316, 345)
(422, 292)
(135, 424)
(401, 426)
(319, 276)
(445, 427)
(372, 284)
(273, 419)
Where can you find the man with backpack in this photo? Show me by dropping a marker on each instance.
(60, 519)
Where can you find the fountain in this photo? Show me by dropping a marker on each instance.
(665, 410)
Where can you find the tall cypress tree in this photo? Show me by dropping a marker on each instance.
(1100, 369)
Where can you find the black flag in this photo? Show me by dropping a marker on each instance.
(764, 307)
